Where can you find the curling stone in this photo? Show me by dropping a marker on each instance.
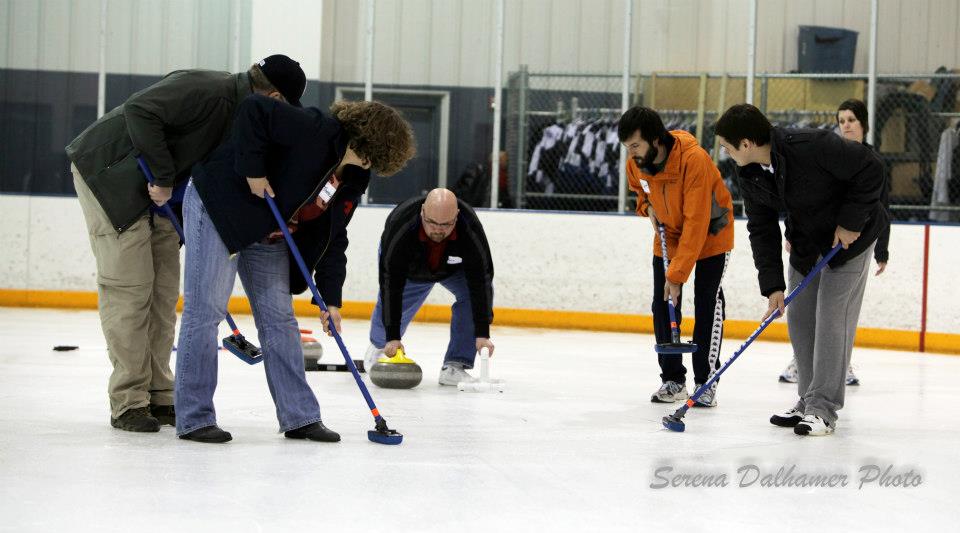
(397, 372)
(312, 351)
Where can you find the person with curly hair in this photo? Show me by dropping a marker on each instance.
(316, 167)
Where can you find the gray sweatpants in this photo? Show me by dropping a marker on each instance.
(822, 321)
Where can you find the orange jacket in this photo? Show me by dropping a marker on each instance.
(683, 195)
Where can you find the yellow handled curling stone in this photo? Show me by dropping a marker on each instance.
(397, 372)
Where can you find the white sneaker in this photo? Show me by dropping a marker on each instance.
(852, 379)
(670, 392)
(453, 373)
(789, 375)
(371, 357)
(708, 398)
(813, 426)
(787, 419)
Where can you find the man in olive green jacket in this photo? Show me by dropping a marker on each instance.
(172, 124)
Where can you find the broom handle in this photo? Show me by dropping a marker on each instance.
(766, 322)
(316, 296)
(674, 327)
(166, 206)
(176, 225)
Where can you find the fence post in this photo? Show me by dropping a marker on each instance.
(520, 175)
(102, 67)
(701, 106)
(721, 104)
(497, 100)
(653, 91)
(764, 81)
(236, 20)
(872, 69)
(638, 90)
(368, 67)
(625, 100)
(751, 50)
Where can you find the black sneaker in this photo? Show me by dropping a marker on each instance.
(137, 419)
(315, 431)
(787, 419)
(210, 434)
(164, 414)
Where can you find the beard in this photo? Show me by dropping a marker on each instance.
(646, 163)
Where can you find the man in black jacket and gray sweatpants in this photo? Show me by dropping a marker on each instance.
(173, 124)
(830, 190)
(426, 241)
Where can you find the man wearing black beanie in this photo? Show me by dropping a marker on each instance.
(172, 124)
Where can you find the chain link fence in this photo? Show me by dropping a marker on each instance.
(915, 130)
(916, 135)
(561, 135)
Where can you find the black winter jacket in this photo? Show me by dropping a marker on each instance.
(881, 252)
(820, 181)
(174, 123)
(403, 256)
(297, 149)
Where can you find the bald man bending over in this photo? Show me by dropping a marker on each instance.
(430, 240)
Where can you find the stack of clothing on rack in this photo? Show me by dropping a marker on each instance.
(579, 157)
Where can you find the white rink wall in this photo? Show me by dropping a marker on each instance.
(561, 261)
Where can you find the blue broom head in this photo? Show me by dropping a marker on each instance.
(675, 348)
(243, 349)
(674, 422)
(389, 437)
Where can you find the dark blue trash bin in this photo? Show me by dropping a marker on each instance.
(822, 49)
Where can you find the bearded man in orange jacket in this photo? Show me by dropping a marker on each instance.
(678, 185)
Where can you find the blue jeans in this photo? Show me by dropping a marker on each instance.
(208, 279)
(463, 344)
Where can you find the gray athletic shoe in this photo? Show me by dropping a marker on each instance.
(670, 392)
(789, 375)
(852, 379)
(708, 398)
(371, 357)
(453, 373)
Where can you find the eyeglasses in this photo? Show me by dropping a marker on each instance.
(443, 225)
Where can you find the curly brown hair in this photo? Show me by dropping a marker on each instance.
(378, 133)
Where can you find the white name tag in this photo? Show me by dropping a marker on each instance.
(454, 260)
(327, 192)
(645, 186)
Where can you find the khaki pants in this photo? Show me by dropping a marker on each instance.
(138, 282)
